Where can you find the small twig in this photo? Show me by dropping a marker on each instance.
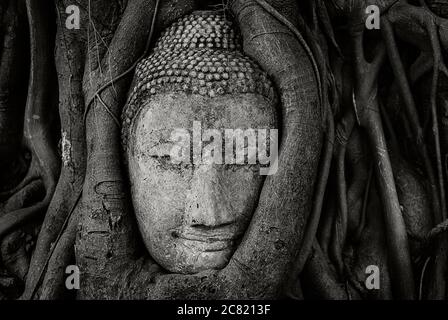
(435, 124)
(114, 117)
(420, 288)
(436, 231)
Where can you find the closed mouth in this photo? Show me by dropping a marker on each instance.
(209, 241)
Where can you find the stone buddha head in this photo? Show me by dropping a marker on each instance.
(193, 192)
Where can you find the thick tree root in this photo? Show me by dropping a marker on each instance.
(367, 107)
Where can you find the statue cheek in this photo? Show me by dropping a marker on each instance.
(158, 196)
(246, 185)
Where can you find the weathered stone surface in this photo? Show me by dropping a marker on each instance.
(192, 216)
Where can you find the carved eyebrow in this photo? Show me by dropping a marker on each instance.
(159, 148)
(162, 157)
(156, 138)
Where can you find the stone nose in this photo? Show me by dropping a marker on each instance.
(208, 201)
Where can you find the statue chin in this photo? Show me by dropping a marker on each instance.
(186, 256)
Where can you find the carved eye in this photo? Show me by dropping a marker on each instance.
(165, 159)
(167, 162)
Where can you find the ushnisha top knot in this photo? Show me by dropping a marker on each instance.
(199, 54)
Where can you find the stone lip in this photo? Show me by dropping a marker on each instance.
(213, 234)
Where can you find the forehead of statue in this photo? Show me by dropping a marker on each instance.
(166, 113)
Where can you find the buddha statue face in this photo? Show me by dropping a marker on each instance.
(193, 212)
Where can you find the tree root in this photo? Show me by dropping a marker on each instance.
(13, 81)
(18, 217)
(360, 182)
(367, 106)
(313, 221)
(70, 53)
(437, 231)
(62, 254)
(343, 133)
(37, 120)
(427, 39)
(320, 279)
(411, 111)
